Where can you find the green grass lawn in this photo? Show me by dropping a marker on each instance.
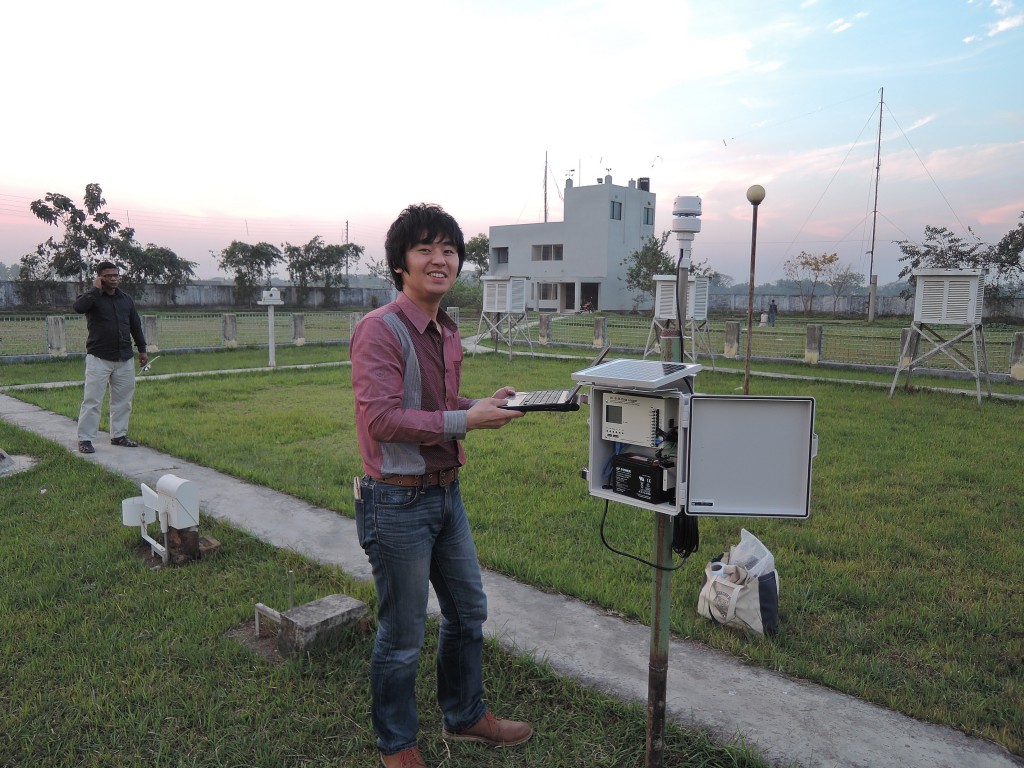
(107, 662)
(905, 587)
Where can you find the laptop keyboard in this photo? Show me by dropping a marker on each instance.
(544, 397)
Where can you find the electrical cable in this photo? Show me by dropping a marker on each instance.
(635, 557)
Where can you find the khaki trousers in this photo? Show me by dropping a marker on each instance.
(99, 374)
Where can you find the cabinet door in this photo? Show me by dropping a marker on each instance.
(750, 456)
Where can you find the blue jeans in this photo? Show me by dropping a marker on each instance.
(413, 536)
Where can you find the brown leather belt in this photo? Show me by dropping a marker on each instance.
(442, 477)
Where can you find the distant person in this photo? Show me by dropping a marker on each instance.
(113, 323)
(773, 312)
(410, 421)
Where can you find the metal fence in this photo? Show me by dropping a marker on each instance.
(842, 343)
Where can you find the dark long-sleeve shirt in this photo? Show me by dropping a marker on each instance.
(113, 322)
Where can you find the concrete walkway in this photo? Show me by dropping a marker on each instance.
(790, 721)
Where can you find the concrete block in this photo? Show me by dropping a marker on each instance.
(320, 621)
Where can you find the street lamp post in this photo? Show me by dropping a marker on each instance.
(755, 195)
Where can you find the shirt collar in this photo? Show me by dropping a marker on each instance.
(421, 319)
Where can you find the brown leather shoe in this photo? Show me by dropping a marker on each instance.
(407, 758)
(494, 732)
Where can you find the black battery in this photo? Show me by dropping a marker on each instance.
(640, 477)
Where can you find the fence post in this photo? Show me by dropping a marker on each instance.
(600, 332)
(149, 330)
(544, 329)
(56, 336)
(1017, 357)
(229, 330)
(812, 347)
(298, 329)
(732, 339)
(353, 320)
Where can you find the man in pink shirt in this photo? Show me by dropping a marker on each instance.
(410, 418)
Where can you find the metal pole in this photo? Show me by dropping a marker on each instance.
(755, 195)
(750, 305)
(270, 321)
(661, 609)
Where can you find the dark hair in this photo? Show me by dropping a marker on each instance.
(421, 223)
(106, 265)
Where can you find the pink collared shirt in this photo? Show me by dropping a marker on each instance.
(406, 373)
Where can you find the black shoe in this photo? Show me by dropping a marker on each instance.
(124, 442)
(85, 446)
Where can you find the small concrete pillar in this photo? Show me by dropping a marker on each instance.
(544, 329)
(320, 621)
(453, 313)
(353, 321)
(56, 336)
(229, 330)
(1017, 357)
(812, 347)
(149, 331)
(600, 332)
(732, 339)
(298, 329)
(764, 319)
(912, 352)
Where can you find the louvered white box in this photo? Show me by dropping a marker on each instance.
(504, 294)
(949, 296)
(665, 298)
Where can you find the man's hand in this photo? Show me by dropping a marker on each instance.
(98, 283)
(486, 413)
(143, 359)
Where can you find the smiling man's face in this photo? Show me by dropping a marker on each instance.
(430, 270)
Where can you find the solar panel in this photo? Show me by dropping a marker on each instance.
(637, 374)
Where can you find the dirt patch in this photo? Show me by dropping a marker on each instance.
(265, 646)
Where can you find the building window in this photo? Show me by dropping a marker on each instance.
(548, 291)
(649, 216)
(501, 255)
(616, 210)
(547, 252)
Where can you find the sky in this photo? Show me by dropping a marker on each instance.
(207, 122)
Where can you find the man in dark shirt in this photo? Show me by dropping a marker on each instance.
(113, 324)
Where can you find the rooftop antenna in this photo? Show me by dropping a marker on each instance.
(545, 186)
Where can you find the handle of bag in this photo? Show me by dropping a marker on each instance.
(734, 596)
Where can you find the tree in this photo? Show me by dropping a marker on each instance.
(316, 262)
(646, 262)
(250, 264)
(303, 265)
(842, 280)
(89, 234)
(35, 280)
(807, 271)
(155, 265)
(478, 253)
(942, 249)
(716, 279)
(337, 260)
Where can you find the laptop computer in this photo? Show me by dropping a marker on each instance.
(550, 399)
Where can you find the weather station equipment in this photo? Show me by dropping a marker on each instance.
(504, 311)
(271, 298)
(946, 298)
(655, 444)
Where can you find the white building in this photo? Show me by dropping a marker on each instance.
(580, 259)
